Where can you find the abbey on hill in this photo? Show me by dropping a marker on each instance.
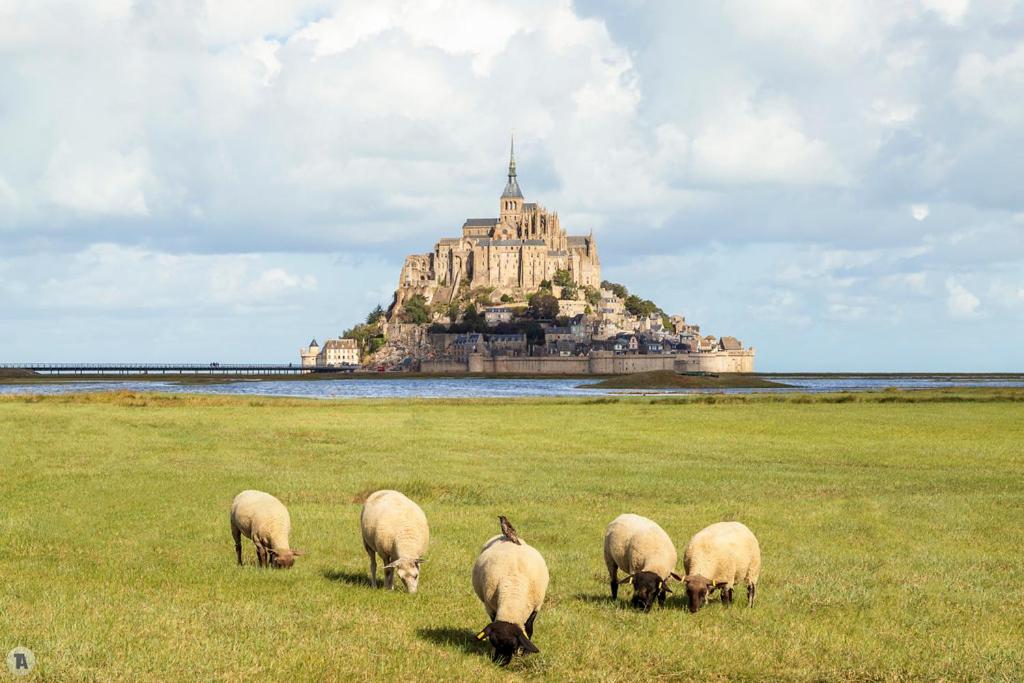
(515, 253)
(517, 294)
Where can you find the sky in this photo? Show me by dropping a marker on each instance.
(838, 184)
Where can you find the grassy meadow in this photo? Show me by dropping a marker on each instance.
(892, 534)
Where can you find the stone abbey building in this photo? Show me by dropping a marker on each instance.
(512, 253)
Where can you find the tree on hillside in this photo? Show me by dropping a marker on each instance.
(569, 292)
(641, 308)
(592, 295)
(563, 278)
(367, 336)
(617, 289)
(543, 306)
(375, 315)
(415, 310)
(473, 319)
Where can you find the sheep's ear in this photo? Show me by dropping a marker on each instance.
(482, 635)
(664, 587)
(675, 576)
(391, 565)
(626, 580)
(527, 646)
(420, 561)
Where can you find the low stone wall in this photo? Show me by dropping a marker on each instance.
(598, 363)
(607, 363)
(528, 365)
(443, 367)
(716, 362)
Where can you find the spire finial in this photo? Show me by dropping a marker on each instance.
(512, 156)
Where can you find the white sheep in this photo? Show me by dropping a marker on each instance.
(718, 557)
(264, 520)
(395, 528)
(511, 580)
(641, 549)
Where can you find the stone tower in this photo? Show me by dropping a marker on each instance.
(511, 206)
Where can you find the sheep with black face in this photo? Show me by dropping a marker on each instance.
(511, 580)
(640, 548)
(264, 520)
(718, 557)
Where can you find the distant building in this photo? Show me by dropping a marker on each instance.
(495, 315)
(340, 352)
(507, 344)
(308, 354)
(334, 353)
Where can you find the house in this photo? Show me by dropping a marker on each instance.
(465, 344)
(507, 344)
(651, 346)
(337, 352)
(730, 344)
(495, 315)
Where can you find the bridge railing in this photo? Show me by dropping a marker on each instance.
(218, 368)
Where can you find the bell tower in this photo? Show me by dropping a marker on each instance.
(511, 205)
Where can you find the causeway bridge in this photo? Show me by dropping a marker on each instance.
(174, 368)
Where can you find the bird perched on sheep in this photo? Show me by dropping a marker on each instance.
(264, 520)
(641, 549)
(718, 557)
(511, 580)
(508, 529)
(395, 528)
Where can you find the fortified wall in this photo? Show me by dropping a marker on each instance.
(597, 363)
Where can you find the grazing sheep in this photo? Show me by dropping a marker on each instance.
(511, 580)
(395, 528)
(718, 557)
(264, 520)
(641, 549)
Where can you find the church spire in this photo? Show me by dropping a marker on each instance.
(512, 157)
(512, 190)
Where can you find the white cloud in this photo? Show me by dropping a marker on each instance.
(993, 85)
(919, 211)
(951, 11)
(960, 302)
(102, 181)
(766, 144)
(112, 277)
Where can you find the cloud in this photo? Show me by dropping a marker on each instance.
(102, 182)
(919, 211)
(961, 303)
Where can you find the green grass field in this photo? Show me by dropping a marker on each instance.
(892, 535)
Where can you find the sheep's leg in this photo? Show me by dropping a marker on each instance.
(612, 580)
(373, 565)
(529, 624)
(261, 556)
(751, 593)
(389, 574)
(236, 534)
(727, 596)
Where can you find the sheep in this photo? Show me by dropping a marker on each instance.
(395, 528)
(511, 580)
(641, 549)
(264, 520)
(718, 557)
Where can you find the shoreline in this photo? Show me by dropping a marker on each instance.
(623, 381)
